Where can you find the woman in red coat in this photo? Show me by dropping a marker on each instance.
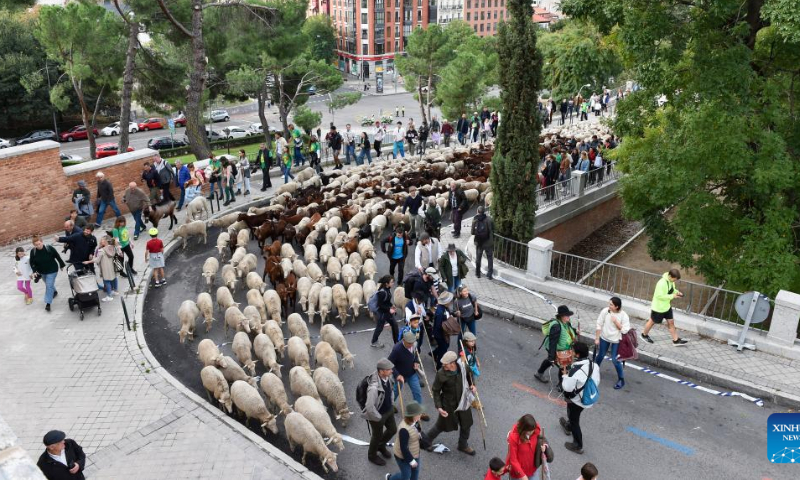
(527, 449)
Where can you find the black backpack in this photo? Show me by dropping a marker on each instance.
(481, 230)
(361, 393)
(234, 171)
(165, 175)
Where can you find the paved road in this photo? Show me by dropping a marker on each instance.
(652, 429)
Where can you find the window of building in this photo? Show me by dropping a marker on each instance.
(364, 34)
(469, 4)
(379, 49)
(364, 49)
(495, 3)
(388, 31)
(495, 26)
(388, 3)
(481, 27)
(475, 27)
(502, 3)
(363, 4)
(397, 31)
(482, 14)
(468, 15)
(502, 14)
(396, 16)
(483, 3)
(495, 14)
(364, 19)
(419, 15)
(396, 45)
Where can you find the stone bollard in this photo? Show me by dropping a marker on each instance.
(580, 177)
(540, 254)
(785, 318)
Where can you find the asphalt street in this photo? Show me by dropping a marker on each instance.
(652, 429)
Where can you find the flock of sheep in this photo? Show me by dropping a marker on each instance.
(338, 216)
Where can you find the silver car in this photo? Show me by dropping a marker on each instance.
(4, 143)
(219, 116)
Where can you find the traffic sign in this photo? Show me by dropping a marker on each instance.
(752, 307)
(171, 125)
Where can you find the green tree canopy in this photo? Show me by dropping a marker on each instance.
(426, 53)
(713, 174)
(321, 37)
(306, 118)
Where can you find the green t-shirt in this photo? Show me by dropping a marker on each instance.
(315, 146)
(216, 165)
(122, 235)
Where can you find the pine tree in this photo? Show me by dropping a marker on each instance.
(516, 155)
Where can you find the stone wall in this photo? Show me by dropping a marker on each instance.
(569, 232)
(38, 190)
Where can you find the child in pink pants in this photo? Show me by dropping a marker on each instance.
(22, 269)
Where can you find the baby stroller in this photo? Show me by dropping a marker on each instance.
(84, 290)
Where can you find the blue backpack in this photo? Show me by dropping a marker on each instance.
(591, 394)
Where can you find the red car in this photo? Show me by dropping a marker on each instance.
(152, 124)
(76, 133)
(108, 150)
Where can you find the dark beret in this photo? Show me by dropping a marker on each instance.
(54, 436)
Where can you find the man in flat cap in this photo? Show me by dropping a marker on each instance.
(453, 394)
(379, 411)
(406, 366)
(63, 458)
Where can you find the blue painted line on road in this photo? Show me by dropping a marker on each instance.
(663, 441)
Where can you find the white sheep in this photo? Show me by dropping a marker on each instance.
(243, 238)
(301, 383)
(272, 386)
(399, 299)
(311, 239)
(378, 224)
(298, 328)
(369, 269)
(286, 266)
(325, 300)
(325, 253)
(206, 306)
(349, 275)
(254, 281)
(339, 240)
(208, 353)
(290, 188)
(304, 175)
(273, 303)
(313, 300)
(253, 319)
(334, 337)
(210, 268)
(366, 249)
(332, 390)
(356, 261)
(298, 353)
(315, 272)
(215, 383)
(223, 243)
(255, 299)
(303, 287)
(335, 222)
(300, 431)
(247, 265)
(369, 287)
(487, 200)
(197, 206)
(248, 401)
(236, 227)
(238, 256)
(233, 372)
(270, 208)
(287, 251)
(316, 414)
(341, 255)
(187, 313)
(265, 351)
(340, 300)
(334, 269)
(310, 253)
(472, 194)
(330, 235)
(354, 294)
(196, 228)
(274, 332)
(359, 220)
(229, 277)
(299, 268)
(325, 356)
(225, 221)
(236, 320)
(241, 347)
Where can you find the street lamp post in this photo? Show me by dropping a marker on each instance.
(49, 88)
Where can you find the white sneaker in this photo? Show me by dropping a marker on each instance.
(107, 299)
(115, 293)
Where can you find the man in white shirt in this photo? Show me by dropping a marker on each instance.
(377, 139)
(597, 167)
(426, 252)
(399, 137)
(349, 144)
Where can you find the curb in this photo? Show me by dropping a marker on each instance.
(271, 450)
(776, 396)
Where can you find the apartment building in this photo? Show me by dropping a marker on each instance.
(449, 10)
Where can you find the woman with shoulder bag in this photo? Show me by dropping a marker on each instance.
(105, 256)
(467, 310)
(612, 324)
(528, 450)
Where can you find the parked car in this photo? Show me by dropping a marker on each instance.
(234, 132)
(77, 132)
(258, 129)
(219, 116)
(152, 124)
(108, 150)
(213, 135)
(114, 129)
(312, 90)
(5, 143)
(180, 120)
(162, 143)
(70, 158)
(36, 136)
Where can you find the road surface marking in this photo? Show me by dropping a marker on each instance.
(537, 393)
(663, 441)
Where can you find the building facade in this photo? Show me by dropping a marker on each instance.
(484, 16)
(449, 10)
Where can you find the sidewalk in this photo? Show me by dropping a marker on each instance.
(92, 380)
(755, 373)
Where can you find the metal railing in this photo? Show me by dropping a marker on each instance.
(598, 176)
(556, 193)
(510, 252)
(698, 299)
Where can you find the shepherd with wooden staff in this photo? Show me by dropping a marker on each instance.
(453, 393)
(404, 357)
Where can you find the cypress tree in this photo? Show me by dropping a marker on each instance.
(516, 155)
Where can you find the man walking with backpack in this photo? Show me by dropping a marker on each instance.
(483, 231)
(580, 387)
(165, 177)
(374, 396)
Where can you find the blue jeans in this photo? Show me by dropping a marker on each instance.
(398, 147)
(360, 159)
(139, 225)
(406, 472)
(348, 151)
(299, 159)
(601, 353)
(50, 286)
(287, 173)
(109, 286)
(211, 192)
(413, 383)
(183, 196)
(461, 138)
(468, 324)
(102, 210)
(453, 283)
